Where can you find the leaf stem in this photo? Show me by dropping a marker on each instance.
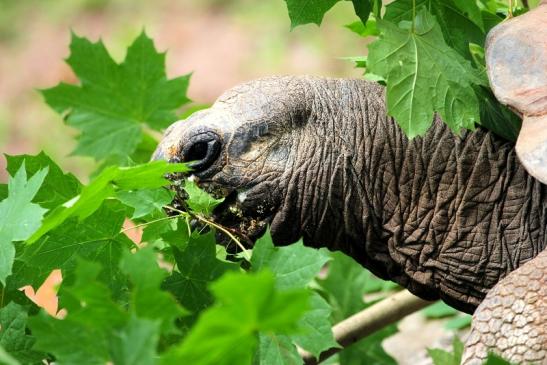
(151, 222)
(510, 9)
(217, 226)
(413, 15)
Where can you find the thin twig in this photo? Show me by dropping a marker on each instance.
(217, 226)
(228, 233)
(368, 321)
(148, 223)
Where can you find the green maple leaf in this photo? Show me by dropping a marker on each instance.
(83, 336)
(107, 185)
(303, 12)
(295, 266)
(312, 11)
(115, 101)
(424, 75)
(315, 327)
(13, 335)
(197, 266)
(135, 343)
(439, 310)
(245, 305)
(145, 202)
(199, 200)
(57, 188)
(7, 359)
(442, 357)
(19, 218)
(95, 238)
(276, 350)
(147, 300)
(99, 329)
(494, 359)
(460, 20)
(344, 286)
(363, 8)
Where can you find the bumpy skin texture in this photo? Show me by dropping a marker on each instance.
(445, 216)
(512, 318)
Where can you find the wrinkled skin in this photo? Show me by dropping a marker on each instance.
(445, 216)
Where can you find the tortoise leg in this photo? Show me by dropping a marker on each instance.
(516, 59)
(512, 319)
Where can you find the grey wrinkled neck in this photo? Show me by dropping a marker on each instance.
(442, 215)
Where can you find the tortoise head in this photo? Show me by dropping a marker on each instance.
(243, 149)
(282, 150)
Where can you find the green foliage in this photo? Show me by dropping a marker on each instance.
(246, 304)
(19, 217)
(147, 300)
(146, 201)
(345, 288)
(97, 329)
(57, 186)
(198, 200)
(114, 102)
(96, 238)
(295, 266)
(6, 358)
(198, 266)
(177, 296)
(303, 12)
(454, 357)
(106, 185)
(424, 76)
(442, 357)
(440, 309)
(13, 337)
(429, 53)
(494, 359)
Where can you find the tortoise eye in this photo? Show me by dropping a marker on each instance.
(202, 151)
(197, 152)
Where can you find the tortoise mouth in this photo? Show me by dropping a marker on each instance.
(245, 221)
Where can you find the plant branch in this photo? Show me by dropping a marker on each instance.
(368, 321)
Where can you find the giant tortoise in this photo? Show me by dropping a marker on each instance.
(459, 218)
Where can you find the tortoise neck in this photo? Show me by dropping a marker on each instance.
(444, 216)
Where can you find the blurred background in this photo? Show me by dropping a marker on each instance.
(223, 42)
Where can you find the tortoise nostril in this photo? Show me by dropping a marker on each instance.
(202, 151)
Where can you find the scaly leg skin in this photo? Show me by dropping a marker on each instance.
(512, 319)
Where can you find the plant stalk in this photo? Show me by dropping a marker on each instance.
(368, 321)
